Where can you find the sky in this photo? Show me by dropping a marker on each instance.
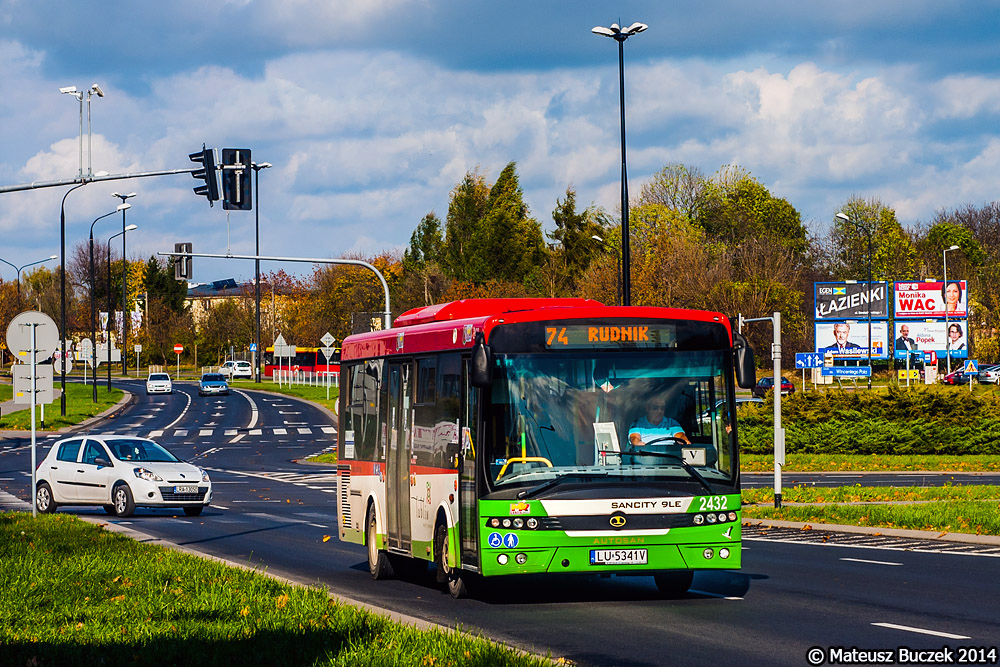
(371, 111)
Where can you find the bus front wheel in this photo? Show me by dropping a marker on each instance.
(378, 561)
(457, 585)
(674, 584)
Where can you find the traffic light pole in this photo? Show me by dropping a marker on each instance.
(308, 260)
(779, 432)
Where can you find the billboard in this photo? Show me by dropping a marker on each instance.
(849, 340)
(843, 301)
(931, 299)
(937, 336)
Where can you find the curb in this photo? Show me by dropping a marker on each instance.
(871, 530)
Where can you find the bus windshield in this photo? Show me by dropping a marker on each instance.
(656, 416)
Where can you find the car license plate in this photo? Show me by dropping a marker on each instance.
(185, 489)
(618, 557)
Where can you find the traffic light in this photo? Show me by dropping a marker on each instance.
(183, 264)
(206, 158)
(236, 179)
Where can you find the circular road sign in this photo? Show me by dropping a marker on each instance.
(19, 335)
(178, 348)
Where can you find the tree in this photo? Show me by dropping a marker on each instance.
(160, 284)
(737, 208)
(466, 209)
(893, 255)
(422, 271)
(676, 187)
(576, 247)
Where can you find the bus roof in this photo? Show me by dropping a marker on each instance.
(453, 325)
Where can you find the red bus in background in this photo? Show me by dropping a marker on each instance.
(306, 359)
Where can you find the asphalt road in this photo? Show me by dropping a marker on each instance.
(797, 590)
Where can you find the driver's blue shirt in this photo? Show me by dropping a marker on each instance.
(648, 431)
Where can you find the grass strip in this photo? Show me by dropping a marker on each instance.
(72, 593)
(872, 462)
(308, 392)
(80, 406)
(877, 494)
(960, 516)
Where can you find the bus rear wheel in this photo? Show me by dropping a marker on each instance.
(457, 582)
(378, 561)
(674, 584)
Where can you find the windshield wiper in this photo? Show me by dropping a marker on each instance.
(684, 464)
(545, 486)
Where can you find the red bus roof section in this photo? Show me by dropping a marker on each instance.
(453, 325)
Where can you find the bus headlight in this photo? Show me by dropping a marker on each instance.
(710, 518)
(518, 522)
(532, 522)
(698, 519)
(502, 559)
(732, 516)
(708, 553)
(495, 522)
(521, 559)
(723, 553)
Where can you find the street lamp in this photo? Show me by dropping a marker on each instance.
(94, 90)
(107, 329)
(125, 315)
(616, 33)
(93, 315)
(618, 268)
(256, 262)
(19, 269)
(947, 324)
(868, 230)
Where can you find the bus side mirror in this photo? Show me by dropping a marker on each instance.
(746, 373)
(481, 366)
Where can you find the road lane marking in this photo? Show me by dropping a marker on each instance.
(253, 409)
(155, 434)
(329, 429)
(281, 431)
(180, 433)
(237, 439)
(305, 431)
(922, 631)
(873, 562)
(205, 432)
(183, 412)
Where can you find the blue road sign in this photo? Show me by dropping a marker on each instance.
(808, 360)
(253, 347)
(971, 366)
(848, 371)
(510, 540)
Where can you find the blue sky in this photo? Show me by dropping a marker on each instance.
(372, 110)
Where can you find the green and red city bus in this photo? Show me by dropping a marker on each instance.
(490, 436)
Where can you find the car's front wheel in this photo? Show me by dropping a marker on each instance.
(121, 498)
(43, 499)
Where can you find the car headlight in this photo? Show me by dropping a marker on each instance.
(147, 475)
(204, 476)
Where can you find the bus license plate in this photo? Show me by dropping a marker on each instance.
(617, 556)
(185, 489)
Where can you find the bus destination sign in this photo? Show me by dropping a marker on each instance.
(609, 335)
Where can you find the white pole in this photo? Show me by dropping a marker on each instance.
(779, 432)
(34, 482)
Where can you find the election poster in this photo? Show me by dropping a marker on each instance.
(849, 339)
(848, 300)
(938, 336)
(931, 300)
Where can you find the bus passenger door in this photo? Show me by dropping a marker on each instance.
(398, 457)
(468, 524)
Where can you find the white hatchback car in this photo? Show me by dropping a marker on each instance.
(159, 383)
(119, 473)
(236, 369)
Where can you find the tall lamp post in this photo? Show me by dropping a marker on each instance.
(22, 268)
(616, 33)
(256, 265)
(93, 313)
(868, 286)
(947, 324)
(618, 268)
(125, 314)
(110, 312)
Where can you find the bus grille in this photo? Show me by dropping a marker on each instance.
(344, 475)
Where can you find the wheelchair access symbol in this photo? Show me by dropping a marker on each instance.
(495, 540)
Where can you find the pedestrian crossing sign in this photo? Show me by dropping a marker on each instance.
(971, 366)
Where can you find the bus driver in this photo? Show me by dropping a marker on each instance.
(654, 425)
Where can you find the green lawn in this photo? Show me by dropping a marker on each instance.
(873, 462)
(310, 393)
(74, 594)
(79, 407)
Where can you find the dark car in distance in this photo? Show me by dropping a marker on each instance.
(766, 384)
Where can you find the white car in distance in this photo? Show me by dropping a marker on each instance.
(119, 473)
(236, 369)
(159, 383)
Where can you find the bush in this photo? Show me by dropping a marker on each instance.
(922, 420)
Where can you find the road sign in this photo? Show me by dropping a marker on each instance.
(43, 383)
(848, 371)
(178, 348)
(912, 374)
(138, 348)
(971, 366)
(808, 360)
(828, 359)
(58, 364)
(328, 340)
(280, 340)
(327, 352)
(930, 357)
(253, 347)
(19, 336)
